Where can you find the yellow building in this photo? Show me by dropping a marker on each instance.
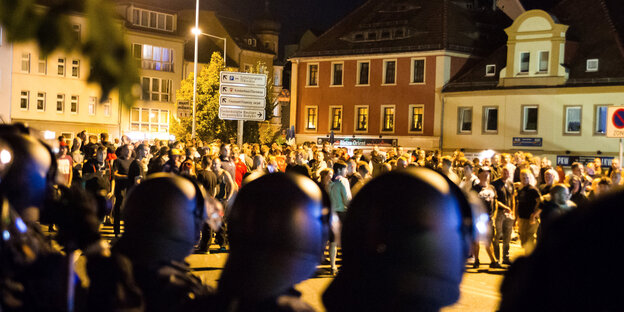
(547, 90)
(51, 93)
(153, 35)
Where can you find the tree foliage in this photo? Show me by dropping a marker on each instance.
(112, 65)
(209, 126)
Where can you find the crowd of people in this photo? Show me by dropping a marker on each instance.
(406, 220)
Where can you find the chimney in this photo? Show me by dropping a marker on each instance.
(513, 8)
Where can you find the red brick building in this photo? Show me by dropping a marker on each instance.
(378, 72)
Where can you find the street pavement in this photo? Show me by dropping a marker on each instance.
(479, 287)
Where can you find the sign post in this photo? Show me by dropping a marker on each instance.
(242, 96)
(615, 126)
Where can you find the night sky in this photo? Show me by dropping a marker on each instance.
(297, 16)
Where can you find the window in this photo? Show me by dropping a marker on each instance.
(75, 68)
(416, 118)
(92, 104)
(106, 106)
(61, 67)
(363, 73)
(26, 62)
(361, 122)
(277, 81)
(73, 104)
(387, 122)
(60, 103)
(149, 120)
(152, 57)
(573, 120)
(389, 72)
(601, 119)
(247, 68)
(385, 34)
(490, 119)
(337, 74)
(490, 70)
(311, 117)
(529, 118)
(313, 75)
(525, 58)
(371, 36)
(543, 61)
(592, 65)
(152, 19)
(336, 118)
(42, 65)
(418, 70)
(41, 98)
(24, 100)
(76, 29)
(464, 118)
(155, 89)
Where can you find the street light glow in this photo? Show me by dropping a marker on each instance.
(196, 31)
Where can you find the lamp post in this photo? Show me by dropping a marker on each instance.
(196, 31)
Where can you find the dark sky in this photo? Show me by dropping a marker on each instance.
(297, 16)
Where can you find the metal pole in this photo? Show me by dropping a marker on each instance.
(621, 149)
(240, 133)
(225, 53)
(196, 32)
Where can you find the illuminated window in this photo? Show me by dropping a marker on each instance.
(387, 124)
(152, 19)
(26, 62)
(149, 120)
(42, 67)
(361, 122)
(92, 105)
(336, 118)
(152, 57)
(573, 119)
(416, 118)
(155, 89)
(311, 118)
(106, 107)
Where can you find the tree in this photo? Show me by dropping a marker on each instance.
(209, 126)
(112, 65)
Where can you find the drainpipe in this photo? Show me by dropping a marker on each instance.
(442, 123)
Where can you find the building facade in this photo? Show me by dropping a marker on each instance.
(50, 93)
(547, 90)
(6, 64)
(378, 73)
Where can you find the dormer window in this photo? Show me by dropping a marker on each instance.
(592, 65)
(490, 70)
(372, 36)
(152, 19)
(525, 58)
(543, 61)
(251, 42)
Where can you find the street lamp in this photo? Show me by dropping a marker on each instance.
(196, 31)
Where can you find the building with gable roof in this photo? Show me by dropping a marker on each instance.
(547, 89)
(378, 72)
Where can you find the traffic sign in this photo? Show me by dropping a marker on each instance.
(228, 100)
(233, 113)
(615, 122)
(243, 78)
(242, 90)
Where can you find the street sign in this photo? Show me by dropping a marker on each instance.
(228, 89)
(234, 113)
(184, 109)
(527, 142)
(235, 101)
(243, 78)
(615, 122)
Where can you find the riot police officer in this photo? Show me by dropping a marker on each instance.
(278, 229)
(405, 240)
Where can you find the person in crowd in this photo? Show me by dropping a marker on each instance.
(300, 166)
(175, 160)
(550, 178)
(377, 160)
(505, 214)
(446, 168)
(616, 178)
(339, 197)
(487, 194)
(65, 165)
(577, 191)
(138, 167)
(469, 179)
(225, 151)
(318, 165)
(553, 207)
(401, 163)
(528, 201)
(224, 191)
(120, 169)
